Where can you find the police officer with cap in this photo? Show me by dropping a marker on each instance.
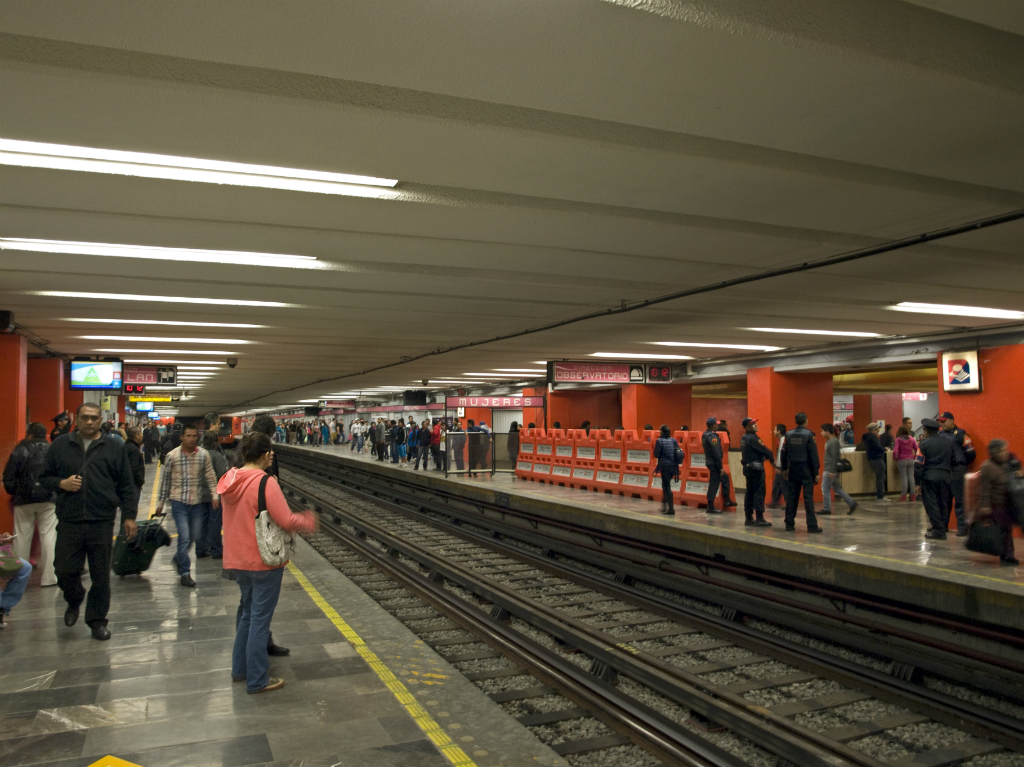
(963, 455)
(800, 462)
(712, 445)
(935, 461)
(754, 453)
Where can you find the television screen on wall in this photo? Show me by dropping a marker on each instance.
(143, 407)
(93, 374)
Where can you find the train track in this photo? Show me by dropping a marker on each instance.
(645, 661)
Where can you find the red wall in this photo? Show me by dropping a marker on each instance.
(731, 410)
(601, 407)
(534, 414)
(993, 412)
(861, 414)
(45, 389)
(888, 408)
(655, 404)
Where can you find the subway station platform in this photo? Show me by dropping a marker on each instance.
(878, 550)
(159, 692)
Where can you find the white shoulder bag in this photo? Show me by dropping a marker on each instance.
(276, 546)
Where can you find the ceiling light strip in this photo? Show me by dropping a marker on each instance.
(811, 332)
(955, 310)
(159, 299)
(114, 321)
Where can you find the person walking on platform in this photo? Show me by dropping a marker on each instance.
(753, 455)
(800, 462)
(935, 462)
(669, 457)
(33, 503)
(830, 472)
(778, 483)
(994, 495)
(150, 442)
(963, 456)
(259, 583)
(133, 451)
(90, 474)
(186, 469)
(875, 454)
(903, 453)
(712, 445)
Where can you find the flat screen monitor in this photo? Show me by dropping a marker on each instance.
(154, 415)
(143, 407)
(91, 374)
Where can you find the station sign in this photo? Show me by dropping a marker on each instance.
(596, 372)
(150, 375)
(337, 403)
(148, 398)
(507, 403)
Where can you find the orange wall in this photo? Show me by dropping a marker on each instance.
(534, 414)
(993, 412)
(655, 404)
(731, 410)
(13, 384)
(45, 389)
(571, 408)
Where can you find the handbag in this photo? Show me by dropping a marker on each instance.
(9, 562)
(276, 546)
(985, 537)
(843, 465)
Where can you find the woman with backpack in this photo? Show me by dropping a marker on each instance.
(670, 457)
(33, 504)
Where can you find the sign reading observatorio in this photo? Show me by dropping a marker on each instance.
(596, 372)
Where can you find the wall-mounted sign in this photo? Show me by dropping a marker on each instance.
(339, 403)
(915, 396)
(595, 372)
(960, 372)
(659, 373)
(148, 398)
(134, 388)
(506, 403)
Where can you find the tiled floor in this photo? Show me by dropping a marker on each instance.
(886, 534)
(160, 693)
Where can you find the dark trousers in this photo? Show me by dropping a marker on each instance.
(878, 466)
(778, 488)
(726, 489)
(936, 494)
(150, 451)
(435, 451)
(666, 489)
(800, 479)
(753, 498)
(714, 482)
(1004, 518)
(211, 543)
(77, 542)
(956, 487)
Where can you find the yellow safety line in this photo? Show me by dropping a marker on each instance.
(156, 487)
(448, 748)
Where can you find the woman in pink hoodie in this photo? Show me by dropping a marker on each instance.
(260, 584)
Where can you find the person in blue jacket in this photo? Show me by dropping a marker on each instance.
(670, 457)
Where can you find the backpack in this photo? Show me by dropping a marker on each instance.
(26, 484)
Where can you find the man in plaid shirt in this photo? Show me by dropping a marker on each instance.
(186, 469)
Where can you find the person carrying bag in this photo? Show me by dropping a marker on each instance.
(258, 542)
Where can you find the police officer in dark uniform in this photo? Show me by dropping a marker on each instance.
(935, 460)
(963, 455)
(800, 462)
(712, 445)
(754, 453)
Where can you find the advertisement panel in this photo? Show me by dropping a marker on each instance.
(960, 372)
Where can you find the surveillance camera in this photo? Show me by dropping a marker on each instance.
(232, 362)
(423, 381)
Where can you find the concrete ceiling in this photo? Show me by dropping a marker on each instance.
(556, 160)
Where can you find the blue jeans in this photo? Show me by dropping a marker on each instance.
(828, 484)
(260, 591)
(15, 588)
(189, 522)
(210, 543)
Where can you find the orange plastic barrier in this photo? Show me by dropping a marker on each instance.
(527, 449)
(584, 461)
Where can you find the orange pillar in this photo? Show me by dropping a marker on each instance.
(13, 387)
(861, 414)
(534, 414)
(45, 389)
(777, 397)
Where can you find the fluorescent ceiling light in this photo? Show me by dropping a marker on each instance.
(520, 370)
(173, 362)
(743, 347)
(34, 154)
(196, 367)
(159, 299)
(164, 351)
(116, 250)
(168, 339)
(800, 331)
(540, 362)
(163, 322)
(499, 375)
(954, 310)
(454, 381)
(629, 356)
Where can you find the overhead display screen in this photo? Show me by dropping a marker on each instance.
(90, 374)
(142, 407)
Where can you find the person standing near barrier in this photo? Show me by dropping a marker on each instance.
(935, 461)
(830, 472)
(994, 495)
(669, 456)
(963, 456)
(800, 462)
(712, 445)
(754, 453)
